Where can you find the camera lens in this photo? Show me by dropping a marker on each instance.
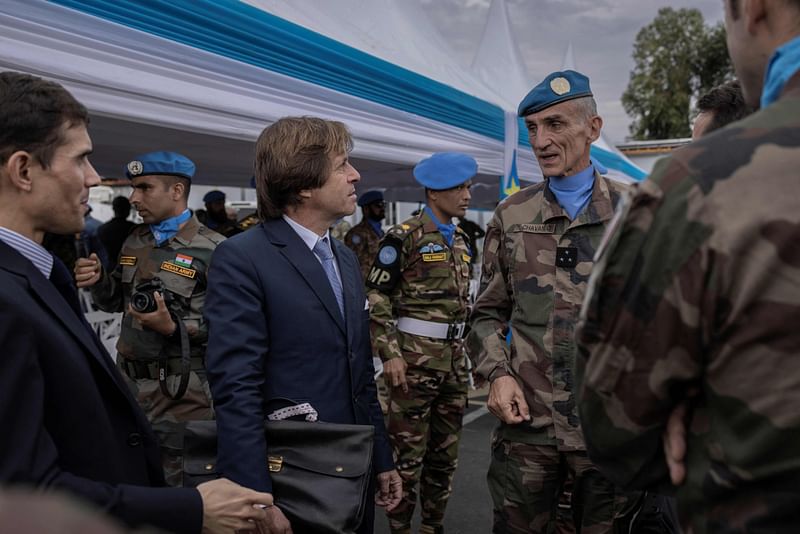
(142, 302)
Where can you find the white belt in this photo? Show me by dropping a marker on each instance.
(430, 328)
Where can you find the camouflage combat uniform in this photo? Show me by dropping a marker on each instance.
(700, 292)
(535, 269)
(427, 281)
(363, 240)
(181, 264)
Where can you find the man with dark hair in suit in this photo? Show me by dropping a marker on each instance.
(287, 311)
(69, 421)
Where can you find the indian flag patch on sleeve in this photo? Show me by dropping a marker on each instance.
(183, 260)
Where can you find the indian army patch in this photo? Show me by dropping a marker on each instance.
(177, 269)
(560, 85)
(385, 271)
(566, 257)
(183, 260)
(466, 257)
(130, 261)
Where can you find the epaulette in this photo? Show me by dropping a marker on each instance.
(406, 228)
(210, 234)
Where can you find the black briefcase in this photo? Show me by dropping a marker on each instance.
(320, 472)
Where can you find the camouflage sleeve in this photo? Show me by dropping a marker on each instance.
(641, 332)
(107, 293)
(383, 323)
(486, 341)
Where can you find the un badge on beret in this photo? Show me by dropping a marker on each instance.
(560, 85)
(135, 168)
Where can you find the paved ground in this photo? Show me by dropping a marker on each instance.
(470, 508)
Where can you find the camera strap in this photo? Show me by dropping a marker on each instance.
(186, 365)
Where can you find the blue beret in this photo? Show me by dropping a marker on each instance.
(445, 170)
(164, 163)
(213, 196)
(557, 87)
(369, 197)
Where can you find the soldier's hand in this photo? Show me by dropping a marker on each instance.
(390, 490)
(88, 270)
(395, 371)
(275, 523)
(159, 320)
(227, 506)
(507, 402)
(675, 444)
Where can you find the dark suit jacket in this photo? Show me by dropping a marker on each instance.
(68, 420)
(275, 331)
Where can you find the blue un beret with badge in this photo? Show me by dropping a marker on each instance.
(445, 170)
(160, 163)
(556, 88)
(369, 197)
(213, 196)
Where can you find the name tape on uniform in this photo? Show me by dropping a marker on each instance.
(435, 256)
(177, 269)
(538, 228)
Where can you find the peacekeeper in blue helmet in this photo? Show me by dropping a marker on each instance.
(160, 286)
(216, 215)
(419, 304)
(364, 238)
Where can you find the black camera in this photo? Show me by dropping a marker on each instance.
(143, 300)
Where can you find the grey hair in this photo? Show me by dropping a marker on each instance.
(586, 107)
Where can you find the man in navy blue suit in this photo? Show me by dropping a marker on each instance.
(287, 312)
(69, 422)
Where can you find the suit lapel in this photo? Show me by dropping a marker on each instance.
(52, 302)
(303, 260)
(351, 280)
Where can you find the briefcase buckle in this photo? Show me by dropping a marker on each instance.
(275, 463)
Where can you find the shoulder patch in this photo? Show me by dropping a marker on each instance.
(356, 239)
(385, 271)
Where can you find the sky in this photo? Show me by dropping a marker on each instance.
(602, 33)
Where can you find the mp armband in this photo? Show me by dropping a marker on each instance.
(385, 271)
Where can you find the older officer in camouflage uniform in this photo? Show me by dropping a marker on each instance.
(419, 304)
(537, 258)
(162, 346)
(364, 238)
(698, 305)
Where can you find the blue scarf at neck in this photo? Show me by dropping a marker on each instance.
(375, 225)
(783, 64)
(573, 192)
(447, 230)
(166, 229)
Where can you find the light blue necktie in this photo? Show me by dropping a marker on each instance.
(323, 251)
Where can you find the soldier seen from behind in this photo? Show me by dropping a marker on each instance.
(114, 232)
(160, 285)
(697, 306)
(419, 303)
(538, 254)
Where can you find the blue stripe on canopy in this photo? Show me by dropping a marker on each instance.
(617, 163)
(244, 33)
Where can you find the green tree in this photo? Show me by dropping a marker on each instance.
(678, 58)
